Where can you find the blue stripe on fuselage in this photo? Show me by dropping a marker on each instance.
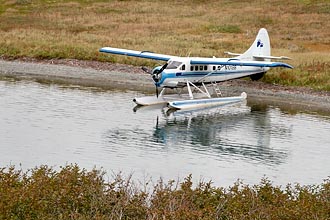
(197, 75)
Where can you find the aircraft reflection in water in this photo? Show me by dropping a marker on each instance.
(233, 130)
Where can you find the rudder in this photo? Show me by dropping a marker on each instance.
(260, 47)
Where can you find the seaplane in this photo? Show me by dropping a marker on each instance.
(197, 74)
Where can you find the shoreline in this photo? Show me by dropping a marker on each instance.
(111, 76)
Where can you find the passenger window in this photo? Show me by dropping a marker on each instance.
(200, 67)
(191, 68)
(205, 67)
(196, 68)
(213, 67)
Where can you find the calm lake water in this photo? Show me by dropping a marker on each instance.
(53, 125)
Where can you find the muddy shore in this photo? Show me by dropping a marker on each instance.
(125, 77)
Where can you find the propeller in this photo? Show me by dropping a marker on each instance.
(155, 74)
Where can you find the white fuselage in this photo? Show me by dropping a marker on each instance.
(179, 71)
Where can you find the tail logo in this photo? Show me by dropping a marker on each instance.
(259, 43)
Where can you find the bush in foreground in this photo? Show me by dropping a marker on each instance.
(74, 193)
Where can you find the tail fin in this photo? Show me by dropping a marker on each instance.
(259, 49)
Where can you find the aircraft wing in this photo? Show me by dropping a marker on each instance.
(236, 62)
(134, 53)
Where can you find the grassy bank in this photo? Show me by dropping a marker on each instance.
(74, 193)
(77, 29)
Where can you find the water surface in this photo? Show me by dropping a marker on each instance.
(53, 125)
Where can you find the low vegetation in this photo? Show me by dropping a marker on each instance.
(74, 193)
(78, 28)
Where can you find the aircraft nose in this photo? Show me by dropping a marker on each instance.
(157, 76)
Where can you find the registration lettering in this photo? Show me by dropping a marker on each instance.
(227, 67)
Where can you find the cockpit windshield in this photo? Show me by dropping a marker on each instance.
(173, 65)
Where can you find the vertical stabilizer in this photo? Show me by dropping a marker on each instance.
(260, 47)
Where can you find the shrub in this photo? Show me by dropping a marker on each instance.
(74, 193)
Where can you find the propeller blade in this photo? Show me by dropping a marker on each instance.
(157, 92)
(156, 73)
(162, 69)
(145, 69)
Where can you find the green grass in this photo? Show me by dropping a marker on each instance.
(76, 29)
(315, 75)
(223, 29)
(74, 193)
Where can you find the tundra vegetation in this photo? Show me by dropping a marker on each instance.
(73, 193)
(76, 29)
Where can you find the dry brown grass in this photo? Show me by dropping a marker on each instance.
(74, 193)
(77, 29)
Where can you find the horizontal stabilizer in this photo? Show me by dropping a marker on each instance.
(232, 54)
(272, 57)
(134, 53)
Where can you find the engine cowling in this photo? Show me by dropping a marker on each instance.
(156, 74)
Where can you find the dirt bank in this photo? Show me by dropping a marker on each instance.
(118, 76)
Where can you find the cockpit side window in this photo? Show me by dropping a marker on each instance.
(173, 65)
(183, 67)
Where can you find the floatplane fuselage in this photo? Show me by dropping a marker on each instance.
(179, 72)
